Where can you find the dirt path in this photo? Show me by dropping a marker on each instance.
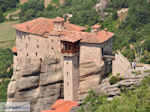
(12, 15)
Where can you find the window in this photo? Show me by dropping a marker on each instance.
(67, 83)
(69, 47)
(27, 55)
(67, 63)
(52, 48)
(37, 46)
(26, 45)
(36, 54)
(67, 73)
(75, 46)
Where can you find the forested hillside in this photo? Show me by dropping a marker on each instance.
(131, 36)
(6, 5)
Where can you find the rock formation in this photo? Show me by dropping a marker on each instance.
(101, 5)
(41, 82)
(23, 1)
(129, 82)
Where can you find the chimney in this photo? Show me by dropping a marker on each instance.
(58, 23)
(95, 28)
(68, 20)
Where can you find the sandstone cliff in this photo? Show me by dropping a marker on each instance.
(41, 82)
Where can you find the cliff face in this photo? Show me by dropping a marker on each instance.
(41, 82)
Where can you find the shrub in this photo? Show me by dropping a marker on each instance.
(118, 74)
(114, 80)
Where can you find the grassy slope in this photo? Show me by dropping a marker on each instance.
(7, 40)
(7, 34)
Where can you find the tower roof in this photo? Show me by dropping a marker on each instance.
(62, 106)
(72, 37)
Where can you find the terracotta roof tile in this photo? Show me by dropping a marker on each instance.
(72, 37)
(14, 49)
(44, 27)
(99, 37)
(37, 26)
(62, 106)
(41, 25)
(96, 26)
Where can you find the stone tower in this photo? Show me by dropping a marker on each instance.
(70, 51)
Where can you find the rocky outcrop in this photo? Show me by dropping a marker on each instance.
(129, 82)
(101, 5)
(41, 82)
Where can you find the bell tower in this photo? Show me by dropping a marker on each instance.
(70, 51)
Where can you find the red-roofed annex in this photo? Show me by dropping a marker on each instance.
(62, 106)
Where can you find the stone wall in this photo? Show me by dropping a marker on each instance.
(31, 46)
(107, 47)
(90, 53)
(71, 77)
(120, 65)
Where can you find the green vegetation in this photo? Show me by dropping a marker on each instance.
(3, 90)
(6, 60)
(137, 100)
(114, 80)
(82, 10)
(130, 35)
(6, 71)
(6, 5)
(7, 32)
(137, 72)
(134, 32)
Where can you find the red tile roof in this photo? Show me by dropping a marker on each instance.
(62, 106)
(41, 25)
(99, 37)
(96, 26)
(14, 49)
(72, 37)
(87, 37)
(72, 33)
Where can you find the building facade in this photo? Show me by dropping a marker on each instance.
(42, 37)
